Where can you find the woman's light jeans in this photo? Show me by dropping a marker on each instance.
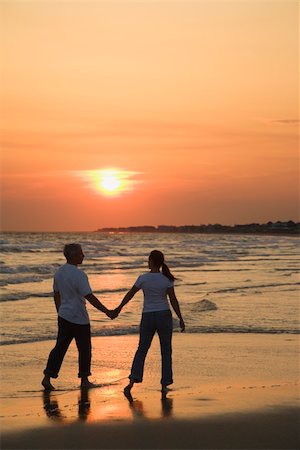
(160, 321)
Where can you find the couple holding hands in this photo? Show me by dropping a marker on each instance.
(71, 290)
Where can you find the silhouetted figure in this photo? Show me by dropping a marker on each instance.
(71, 288)
(156, 317)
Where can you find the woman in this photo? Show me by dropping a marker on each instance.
(156, 286)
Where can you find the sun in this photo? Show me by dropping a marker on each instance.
(110, 182)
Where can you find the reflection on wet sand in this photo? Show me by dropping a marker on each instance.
(103, 412)
(138, 411)
(53, 411)
(166, 406)
(51, 406)
(84, 405)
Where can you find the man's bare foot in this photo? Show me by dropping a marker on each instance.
(47, 385)
(86, 384)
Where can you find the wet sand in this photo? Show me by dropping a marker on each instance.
(230, 391)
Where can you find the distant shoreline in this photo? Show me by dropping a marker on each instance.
(242, 233)
(289, 228)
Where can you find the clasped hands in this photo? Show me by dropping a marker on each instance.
(112, 313)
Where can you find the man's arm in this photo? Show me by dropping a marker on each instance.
(175, 306)
(97, 304)
(56, 296)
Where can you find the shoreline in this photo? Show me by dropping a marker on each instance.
(204, 332)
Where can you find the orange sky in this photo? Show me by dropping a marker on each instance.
(197, 102)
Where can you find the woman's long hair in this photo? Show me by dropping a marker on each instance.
(159, 260)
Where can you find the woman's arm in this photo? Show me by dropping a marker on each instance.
(130, 294)
(175, 306)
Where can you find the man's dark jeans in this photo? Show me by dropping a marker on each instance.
(160, 321)
(66, 332)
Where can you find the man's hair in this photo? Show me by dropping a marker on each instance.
(71, 250)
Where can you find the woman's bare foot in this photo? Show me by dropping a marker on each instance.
(46, 384)
(127, 390)
(165, 389)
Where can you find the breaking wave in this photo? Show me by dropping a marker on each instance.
(204, 305)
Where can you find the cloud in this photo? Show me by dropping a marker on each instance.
(286, 121)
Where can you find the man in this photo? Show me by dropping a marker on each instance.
(71, 288)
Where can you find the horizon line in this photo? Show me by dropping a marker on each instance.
(153, 226)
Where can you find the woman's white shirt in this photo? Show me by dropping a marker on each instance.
(154, 286)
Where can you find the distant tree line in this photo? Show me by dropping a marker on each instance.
(278, 227)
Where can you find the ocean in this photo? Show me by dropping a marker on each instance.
(225, 283)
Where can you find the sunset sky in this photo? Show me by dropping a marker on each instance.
(117, 113)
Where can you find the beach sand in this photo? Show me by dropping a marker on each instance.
(237, 391)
